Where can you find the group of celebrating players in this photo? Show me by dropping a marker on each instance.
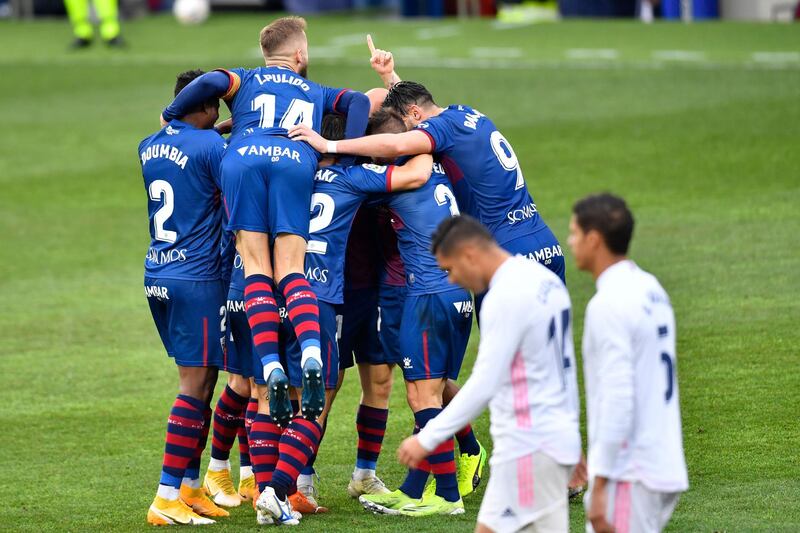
(327, 232)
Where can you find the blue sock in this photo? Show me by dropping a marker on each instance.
(416, 478)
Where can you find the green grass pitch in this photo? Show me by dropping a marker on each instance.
(697, 126)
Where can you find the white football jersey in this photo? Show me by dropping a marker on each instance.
(525, 369)
(629, 361)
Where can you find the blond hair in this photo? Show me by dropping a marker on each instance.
(279, 33)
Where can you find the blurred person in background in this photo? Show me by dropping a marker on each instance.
(107, 13)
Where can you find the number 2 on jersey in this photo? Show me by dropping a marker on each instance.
(157, 190)
(443, 195)
(324, 206)
(298, 112)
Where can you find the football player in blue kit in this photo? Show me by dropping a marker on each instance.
(235, 405)
(434, 331)
(339, 192)
(183, 285)
(267, 181)
(469, 145)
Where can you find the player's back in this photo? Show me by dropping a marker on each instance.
(338, 195)
(536, 407)
(472, 147)
(415, 216)
(180, 166)
(270, 100)
(645, 322)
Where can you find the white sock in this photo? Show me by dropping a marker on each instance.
(363, 473)
(269, 368)
(311, 352)
(217, 465)
(168, 493)
(245, 472)
(305, 480)
(191, 483)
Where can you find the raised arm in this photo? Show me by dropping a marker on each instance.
(209, 85)
(385, 145)
(382, 62)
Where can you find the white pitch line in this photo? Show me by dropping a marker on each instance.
(351, 39)
(316, 52)
(776, 57)
(455, 63)
(488, 52)
(679, 55)
(404, 52)
(592, 53)
(437, 32)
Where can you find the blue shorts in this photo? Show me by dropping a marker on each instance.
(240, 341)
(190, 318)
(542, 247)
(291, 354)
(359, 335)
(268, 194)
(390, 311)
(434, 334)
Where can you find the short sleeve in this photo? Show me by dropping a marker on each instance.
(234, 81)
(439, 132)
(370, 178)
(331, 97)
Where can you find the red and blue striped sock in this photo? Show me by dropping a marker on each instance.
(192, 475)
(228, 417)
(244, 446)
(184, 428)
(467, 443)
(264, 437)
(303, 311)
(262, 315)
(298, 443)
(443, 465)
(371, 427)
(414, 484)
(308, 470)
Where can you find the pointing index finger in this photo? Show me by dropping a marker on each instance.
(370, 44)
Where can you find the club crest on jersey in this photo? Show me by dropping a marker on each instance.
(407, 362)
(171, 131)
(464, 308)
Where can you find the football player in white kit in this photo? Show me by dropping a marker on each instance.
(524, 372)
(635, 459)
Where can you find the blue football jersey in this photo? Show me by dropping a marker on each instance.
(338, 193)
(232, 265)
(415, 215)
(180, 166)
(270, 100)
(471, 146)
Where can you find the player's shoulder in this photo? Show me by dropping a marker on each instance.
(144, 143)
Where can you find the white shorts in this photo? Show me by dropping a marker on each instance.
(633, 508)
(529, 493)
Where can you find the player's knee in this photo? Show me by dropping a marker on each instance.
(239, 384)
(381, 388)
